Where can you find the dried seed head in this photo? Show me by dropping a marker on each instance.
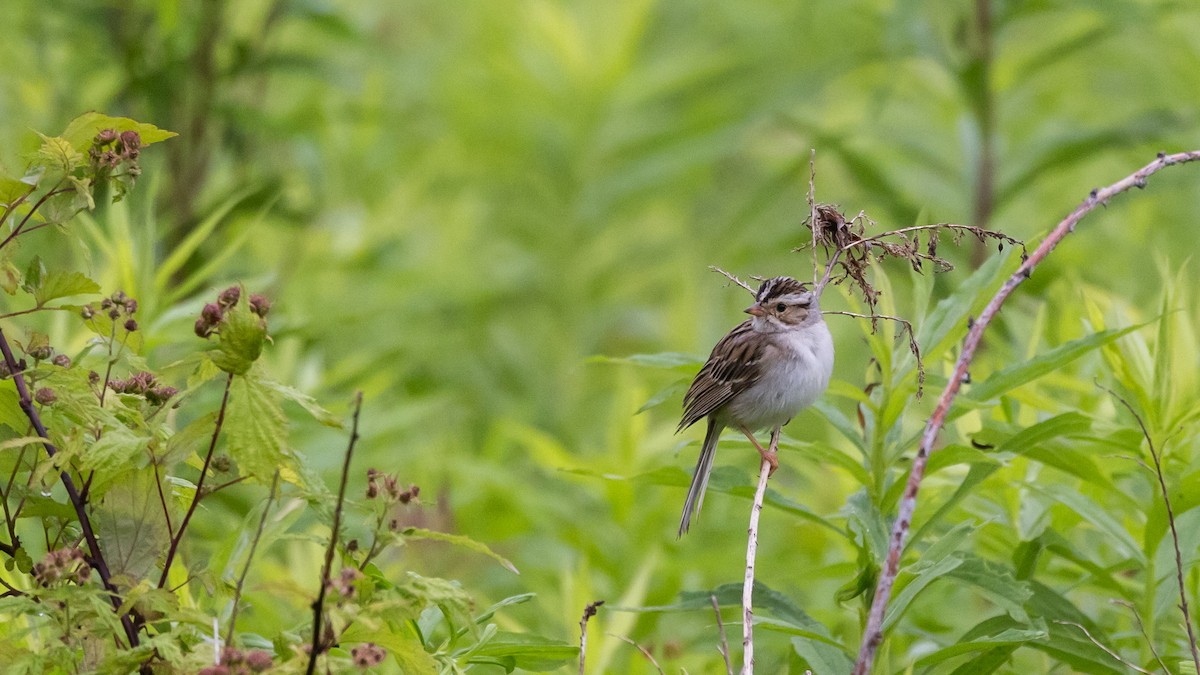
(61, 360)
(45, 396)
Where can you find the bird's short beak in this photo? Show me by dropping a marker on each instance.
(756, 310)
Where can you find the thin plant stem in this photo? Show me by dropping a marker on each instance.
(873, 632)
(318, 605)
(1104, 648)
(723, 647)
(237, 593)
(96, 555)
(751, 551)
(187, 517)
(1162, 484)
(645, 652)
(588, 613)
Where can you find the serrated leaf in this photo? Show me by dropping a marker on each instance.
(256, 428)
(59, 284)
(305, 401)
(460, 540)
(240, 340)
(82, 130)
(57, 153)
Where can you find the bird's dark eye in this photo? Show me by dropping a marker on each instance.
(780, 307)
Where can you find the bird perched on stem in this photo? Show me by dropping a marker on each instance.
(767, 369)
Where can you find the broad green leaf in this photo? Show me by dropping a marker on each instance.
(61, 284)
(129, 521)
(459, 540)
(11, 414)
(1066, 424)
(82, 130)
(256, 429)
(192, 439)
(12, 190)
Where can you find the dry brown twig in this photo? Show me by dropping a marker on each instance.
(873, 633)
(588, 612)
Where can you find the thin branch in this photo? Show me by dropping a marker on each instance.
(645, 652)
(812, 219)
(588, 613)
(1142, 627)
(873, 633)
(1162, 484)
(187, 517)
(318, 605)
(85, 524)
(262, 522)
(732, 278)
(162, 498)
(912, 341)
(1105, 648)
(724, 646)
(37, 205)
(764, 473)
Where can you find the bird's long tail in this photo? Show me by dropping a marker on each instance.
(704, 465)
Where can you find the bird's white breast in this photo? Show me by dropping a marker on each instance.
(796, 372)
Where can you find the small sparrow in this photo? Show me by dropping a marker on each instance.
(760, 375)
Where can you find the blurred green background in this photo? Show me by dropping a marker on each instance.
(456, 204)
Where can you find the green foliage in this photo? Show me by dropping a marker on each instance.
(457, 205)
(106, 577)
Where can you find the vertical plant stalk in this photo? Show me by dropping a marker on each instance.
(318, 605)
(764, 473)
(262, 522)
(85, 524)
(187, 517)
(1162, 484)
(724, 646)
(588, 613)
(873, 633)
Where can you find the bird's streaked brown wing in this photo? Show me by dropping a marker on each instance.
(732, 366)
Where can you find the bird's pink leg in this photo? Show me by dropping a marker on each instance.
(770, 455)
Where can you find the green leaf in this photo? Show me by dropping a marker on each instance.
(34, 274)
(129, 521)
(11, 414)
(526, 651)
(256, 429)
(240, 340)
(1005, 634)
(1003, 381)
(82, 130)
(998, 582)
(305, 401)
(664, 360)
(947, 322)
(60, 284)
(459, 540)
(1093, 513)
(57, 153)
(911, 587)
(666, 393)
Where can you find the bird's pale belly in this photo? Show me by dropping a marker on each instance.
(781, 394)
